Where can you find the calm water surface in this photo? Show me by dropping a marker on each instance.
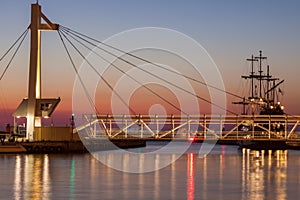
(226, 173)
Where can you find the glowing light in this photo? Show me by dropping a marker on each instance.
(282, 107)
(257, 154)
(271, 107)
(278, 102)
(191, 139)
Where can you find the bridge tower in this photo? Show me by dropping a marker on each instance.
(34, 108)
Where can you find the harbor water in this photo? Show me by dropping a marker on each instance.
(228, 172)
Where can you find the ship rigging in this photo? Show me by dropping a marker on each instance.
(264, 91)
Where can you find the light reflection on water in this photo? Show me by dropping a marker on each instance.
(226, 173)
(190, 177)
(31, 177)
(264, 171)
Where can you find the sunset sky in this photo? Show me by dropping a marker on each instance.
(230, 31)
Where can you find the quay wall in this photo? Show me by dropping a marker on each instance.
(55, 134)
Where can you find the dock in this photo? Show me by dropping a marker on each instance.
(12, 148)
(63, 140)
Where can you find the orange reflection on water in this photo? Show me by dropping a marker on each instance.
(190, 177)
(32, 179)
(36, 179)
(17, 180)
(256, 179)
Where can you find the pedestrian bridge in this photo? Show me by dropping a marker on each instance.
(202, 127)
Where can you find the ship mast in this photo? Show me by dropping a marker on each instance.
(262, 102)
(252, 59)
(260, 58)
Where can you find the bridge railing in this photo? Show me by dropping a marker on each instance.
(224, 127)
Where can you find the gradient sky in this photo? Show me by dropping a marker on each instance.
(229, 30)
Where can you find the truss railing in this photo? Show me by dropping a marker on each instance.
(221, 127)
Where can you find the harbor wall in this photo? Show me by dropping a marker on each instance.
(55, 134)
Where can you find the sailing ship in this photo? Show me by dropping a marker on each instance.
(265, 90)
(263, 100)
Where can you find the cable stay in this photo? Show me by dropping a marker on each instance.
(76, 71)
(13, 44)
(22, 37)
(77, 34)
(154, 75)
(131, 77)
(94, 69)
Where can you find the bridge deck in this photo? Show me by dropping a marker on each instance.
(202, 127)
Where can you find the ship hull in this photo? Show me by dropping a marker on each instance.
(268, 145)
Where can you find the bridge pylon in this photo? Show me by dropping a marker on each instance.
(34, 108)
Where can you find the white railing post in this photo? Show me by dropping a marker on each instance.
(237, 127)
(95, 130)
(141, 126)
(269, 131)
(157, 126)
(285, 127)
(221, 127)
(189, 127)
(173, 126)
(110, 126)
(126, 124)
(204, 124)
(253, 127)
